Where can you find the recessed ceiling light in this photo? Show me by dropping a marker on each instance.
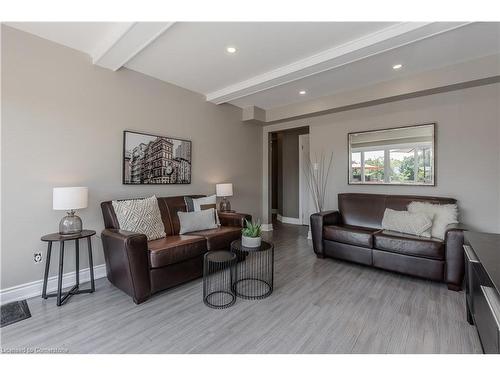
(397, 66)
(230, 49)
(302, 92)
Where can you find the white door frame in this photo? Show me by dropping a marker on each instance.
(302, 194)
(266, 160)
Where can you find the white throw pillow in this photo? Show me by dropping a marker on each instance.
(418, 224)
(197, 220)
(207, 202)
(442, 214)
(140, 216)
(198, 202)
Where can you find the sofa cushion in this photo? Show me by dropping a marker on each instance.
(174, 249)
(348, 234)
(408, 244)
(219, 238)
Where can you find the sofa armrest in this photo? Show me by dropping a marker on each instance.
(233, 219)
(318, 221)
(455, 263)
(455, 227)
(127, 263)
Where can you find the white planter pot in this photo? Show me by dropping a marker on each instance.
(250, 241)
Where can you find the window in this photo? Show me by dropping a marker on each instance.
(403, 156)
(373, 166)
(356, 166)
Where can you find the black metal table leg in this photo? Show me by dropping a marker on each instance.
(59, 281)
(77, 263)
(91, 265)
(63, 297)
(47, 266)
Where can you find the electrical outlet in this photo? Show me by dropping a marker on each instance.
(37, 256)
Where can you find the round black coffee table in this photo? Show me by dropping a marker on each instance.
(255, 271)
(219, 268)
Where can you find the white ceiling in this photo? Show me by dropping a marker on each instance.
(192, 55)
(86, 37)
(274, 60)
(463, 44)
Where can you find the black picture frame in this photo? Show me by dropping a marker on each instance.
(150, 159)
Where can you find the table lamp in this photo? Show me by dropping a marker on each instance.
(70, 199)
(224, 191)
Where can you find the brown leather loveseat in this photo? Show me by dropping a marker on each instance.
(354, 233)
(141, 268)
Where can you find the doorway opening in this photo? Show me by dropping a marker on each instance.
(289, 154)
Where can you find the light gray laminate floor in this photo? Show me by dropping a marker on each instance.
(318, 306)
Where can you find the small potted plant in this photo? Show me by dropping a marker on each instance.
(250, 235)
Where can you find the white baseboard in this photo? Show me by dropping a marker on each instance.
(289, 220)
(309, 234)
(34, 288)
(266, 227)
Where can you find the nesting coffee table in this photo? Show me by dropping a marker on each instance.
(254, 270)
(219, 269)
(243, 272)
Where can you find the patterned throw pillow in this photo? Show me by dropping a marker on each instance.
(418, 224)
(140, 216)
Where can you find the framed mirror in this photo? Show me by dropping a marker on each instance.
(396, 156)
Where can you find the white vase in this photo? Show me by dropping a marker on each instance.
(250, 241)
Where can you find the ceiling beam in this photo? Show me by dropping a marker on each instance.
(124, 45)
(253, 114)
(372, 44)
(477, 72)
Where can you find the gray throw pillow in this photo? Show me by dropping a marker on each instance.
(140, 216)
(204, 203)
(198, 220)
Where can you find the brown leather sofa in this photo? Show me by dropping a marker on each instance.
(354, 233)
(141, 268)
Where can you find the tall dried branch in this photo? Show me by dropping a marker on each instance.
(317, 175)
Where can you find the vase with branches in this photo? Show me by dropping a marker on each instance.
(317, 174)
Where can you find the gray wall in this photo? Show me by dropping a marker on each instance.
(62, 124)
(467, 148)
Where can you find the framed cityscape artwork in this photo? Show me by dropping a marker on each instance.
(152, 159)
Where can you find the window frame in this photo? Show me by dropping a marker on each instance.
(387, 159)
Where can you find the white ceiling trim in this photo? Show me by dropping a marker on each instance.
(129, 43)
(394, 36)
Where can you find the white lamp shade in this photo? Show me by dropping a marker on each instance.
(224, 190)
(69, 198)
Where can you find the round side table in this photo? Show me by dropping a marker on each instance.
(218, 275)
(56, 237)
(255, 273)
